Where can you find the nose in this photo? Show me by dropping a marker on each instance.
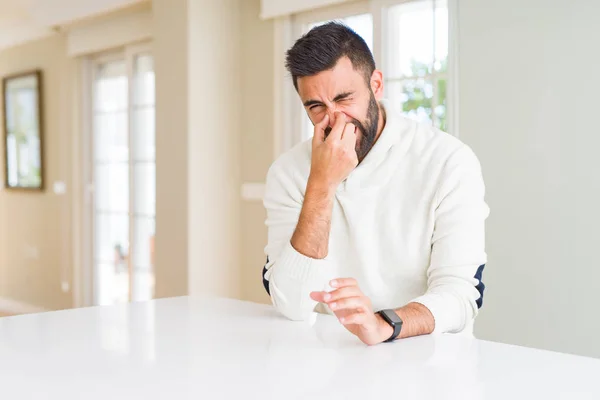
(333, 114)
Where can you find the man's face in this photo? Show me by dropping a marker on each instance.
(342, 89)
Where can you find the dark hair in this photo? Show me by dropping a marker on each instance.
(321, 48)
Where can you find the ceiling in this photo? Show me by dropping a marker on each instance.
(25, 20)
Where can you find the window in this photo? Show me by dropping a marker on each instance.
(123, 174)
(417, 59)
(413, 38)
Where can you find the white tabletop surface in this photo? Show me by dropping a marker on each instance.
(191, 348)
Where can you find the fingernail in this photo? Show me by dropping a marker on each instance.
(333, 283)
(342, 320)
(333, 305)
(327, 297)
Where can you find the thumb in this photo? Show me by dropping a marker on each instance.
(319, 133)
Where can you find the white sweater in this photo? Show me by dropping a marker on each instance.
(407, 223)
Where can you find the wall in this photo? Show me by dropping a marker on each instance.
(214, 149)
(171, 71)
(257, 140)
(528, 107)
(198, 75)
(214, 131)
(35, 246)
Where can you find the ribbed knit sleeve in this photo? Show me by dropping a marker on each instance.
(291, 275)
(458, 244)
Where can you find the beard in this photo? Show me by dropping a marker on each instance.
(367, 128)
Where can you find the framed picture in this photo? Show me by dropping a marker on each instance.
(23, 126)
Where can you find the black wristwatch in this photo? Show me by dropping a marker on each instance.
(394, 320)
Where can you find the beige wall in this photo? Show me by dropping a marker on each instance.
(214, 131)
(214, 148)
(171, 69)
(257, 141)
(199, 71)
(35, 245)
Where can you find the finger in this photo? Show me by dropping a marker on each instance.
(349, 131)
(359, 318)
(338, 128)
(343, 282)
(319, 296)
(319, 131)
(350, 137)
(349, 291)
(350, 303)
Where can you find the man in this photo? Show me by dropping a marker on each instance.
(376, 212)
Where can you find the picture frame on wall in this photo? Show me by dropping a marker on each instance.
(23, 131)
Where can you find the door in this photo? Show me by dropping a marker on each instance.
(122, 176)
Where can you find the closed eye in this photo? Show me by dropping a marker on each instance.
(312, 103)
(343, 97)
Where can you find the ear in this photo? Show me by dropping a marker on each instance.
(377, 84)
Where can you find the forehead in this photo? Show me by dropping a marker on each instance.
(341, 78)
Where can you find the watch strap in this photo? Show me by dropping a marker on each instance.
(397, 326)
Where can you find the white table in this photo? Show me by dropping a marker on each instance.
(190, 348)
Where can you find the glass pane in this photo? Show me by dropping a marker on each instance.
(143, 278)
(110, 137)
(145, 188)
(410, 39)
(413, 96)
(112, 179)
(143, 80)
(112, 283)
(143, 285)
(144, 133)
(441, 35)
(439, 114)
(112, 238)
(111, 87)
(144, 231)
(112, 187)
(361, 24)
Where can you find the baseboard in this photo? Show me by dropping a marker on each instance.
(11, 306)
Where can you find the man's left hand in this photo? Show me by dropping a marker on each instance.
(353, 309)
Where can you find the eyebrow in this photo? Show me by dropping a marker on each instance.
(339, 97)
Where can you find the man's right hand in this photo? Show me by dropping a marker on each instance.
(334, 156)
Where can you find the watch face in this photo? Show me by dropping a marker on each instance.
(391, 314)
